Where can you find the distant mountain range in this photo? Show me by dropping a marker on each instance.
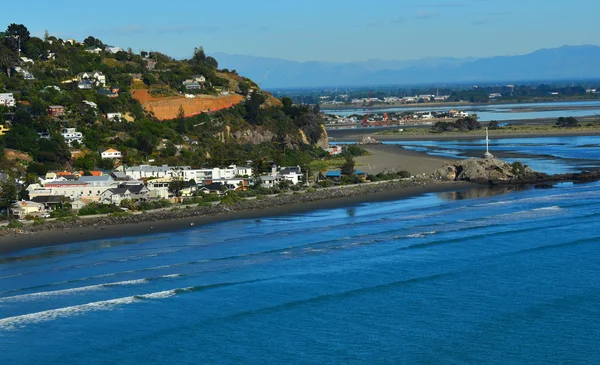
(567, 62)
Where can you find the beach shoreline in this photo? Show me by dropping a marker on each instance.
(53, 234)
(355, 135)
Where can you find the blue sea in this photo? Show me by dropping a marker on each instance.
(481, 276)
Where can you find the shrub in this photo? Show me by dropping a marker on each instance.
(61, 213)
(97, 208)
(14, 224)
(39, 221)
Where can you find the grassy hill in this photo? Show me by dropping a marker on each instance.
(140, 105)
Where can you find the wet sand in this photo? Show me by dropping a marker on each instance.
(394, 158)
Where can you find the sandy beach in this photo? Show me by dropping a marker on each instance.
(394, 158)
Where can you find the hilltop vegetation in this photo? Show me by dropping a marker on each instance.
(47, 73)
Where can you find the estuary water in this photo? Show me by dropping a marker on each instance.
(499, 112)
(552, 155)
(479, 276)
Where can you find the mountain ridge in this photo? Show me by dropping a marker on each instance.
(568, 61)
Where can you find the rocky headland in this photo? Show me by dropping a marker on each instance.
(494, 171)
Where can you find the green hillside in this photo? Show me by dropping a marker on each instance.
(46, 72)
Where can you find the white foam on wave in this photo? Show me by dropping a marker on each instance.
(16, 322)
(44, 294)
(159, 295)
(170, 276)
(421, 234)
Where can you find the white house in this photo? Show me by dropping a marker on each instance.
(98, 181)
(245, 171)
(111, 153)
(95, 50)
(71, 135)
(114, 116)
(91, 104)
(71, 189)
(7, 99)
(96, 76)
(24, 208)
(112, 49)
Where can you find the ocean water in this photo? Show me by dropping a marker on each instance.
(479, 276)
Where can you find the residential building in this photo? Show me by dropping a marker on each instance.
(97, 77)
(95, 50)
(56, 110)
(96, 181)
(111, 153)
(69, 189)
(216, 188)
(50, 202)
(7, 99)
(147, 171)
(334, 150)
(112, 92)
(71, 135)
(114, 116)
(26, 74)
(85, 84)
(112, 49)
(199, 78)
(91, 104)
(245, 171)
(44, 135)
(25, 208)
(3, 129)
(192, 85)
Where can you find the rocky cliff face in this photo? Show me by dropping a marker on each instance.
(261, 135)
(253, 136)
(487, 171)
(323, 141)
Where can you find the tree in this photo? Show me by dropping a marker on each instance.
(93, 42)
(211, 62)
(568, 122)
(176, 186)
(199, 55)
(287, 102)
(244, 87)
(17, 34)
(348, 166)
(493, 125)
(122, 56)
(8, 194)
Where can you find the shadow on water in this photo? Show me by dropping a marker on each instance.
(480, 192)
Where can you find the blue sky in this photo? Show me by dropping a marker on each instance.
(321, 30)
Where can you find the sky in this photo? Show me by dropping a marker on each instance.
(320, 30)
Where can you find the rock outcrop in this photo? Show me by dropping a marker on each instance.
(487, 171)
(253, 136)
(323, 141)
(366, 140)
